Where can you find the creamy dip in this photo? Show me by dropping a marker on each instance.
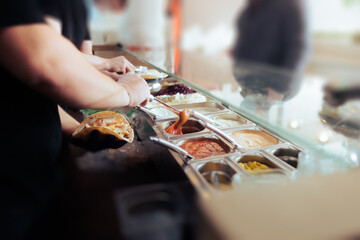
(253, 138)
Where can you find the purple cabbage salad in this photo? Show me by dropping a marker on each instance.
(174, 89)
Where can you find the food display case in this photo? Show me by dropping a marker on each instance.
(288, 136)
(216, 161)
(254, 135)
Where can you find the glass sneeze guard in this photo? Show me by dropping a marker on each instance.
(298, 118)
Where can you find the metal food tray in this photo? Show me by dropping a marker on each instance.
(230, 115)
(256, 128)
(286, 149)
(260, 157)
(231, 158)
(203, 107)
(214, 164)
(152, 105)
(196, 167)
(167, 114)
(178, 142)
(191, 123)
(164, 123)
(167, 82)
(161, 113)
(199, 166)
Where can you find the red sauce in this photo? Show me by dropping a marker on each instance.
(205, 148)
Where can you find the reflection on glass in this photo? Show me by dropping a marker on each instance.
(265, 86)
(344, 120)
(270, 51)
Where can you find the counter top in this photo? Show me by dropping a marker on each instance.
(312, 207)
(87, 207)
(322, 207)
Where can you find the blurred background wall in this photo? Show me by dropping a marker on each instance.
(208, 30)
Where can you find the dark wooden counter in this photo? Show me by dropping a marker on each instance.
(86, 207)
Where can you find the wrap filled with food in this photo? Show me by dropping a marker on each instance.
(108, 124)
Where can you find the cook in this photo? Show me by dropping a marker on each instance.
(40, 69)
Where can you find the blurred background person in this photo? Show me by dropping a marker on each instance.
(272, 34)
(150, 29)
(62, 21)
(142, 30)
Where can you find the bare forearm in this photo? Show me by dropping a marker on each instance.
(68, 123)
(96, 91)
(89, 87)
(52, 65)
(86, 47)
(95, 60)
(86, 50)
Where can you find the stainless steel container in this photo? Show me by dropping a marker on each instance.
(258, 157)
(226, 147)
(191, 127)
(287, 153)
(246, 144)
(203, 108)
(230, 120)
(217, 172)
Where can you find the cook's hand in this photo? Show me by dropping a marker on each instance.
(97, 141)
(116, 66)
(137, 89)
(119, 65)
(113, 75)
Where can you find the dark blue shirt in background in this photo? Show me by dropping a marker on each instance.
(273, 32)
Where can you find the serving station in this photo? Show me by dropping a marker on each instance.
(214, 160)
(251, 161)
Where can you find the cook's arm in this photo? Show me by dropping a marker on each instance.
(112, 67)
(52, 65)
(68, 123)
(87, 47)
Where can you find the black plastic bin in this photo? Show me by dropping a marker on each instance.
(151, 212)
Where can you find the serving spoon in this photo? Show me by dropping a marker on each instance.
(205, 121)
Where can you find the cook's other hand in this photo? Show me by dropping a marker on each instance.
(97, 141)
(137, 89)
(115, 67)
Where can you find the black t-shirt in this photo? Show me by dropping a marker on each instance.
(30, 131)
(72, 14)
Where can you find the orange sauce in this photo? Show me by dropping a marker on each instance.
(176, 128)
